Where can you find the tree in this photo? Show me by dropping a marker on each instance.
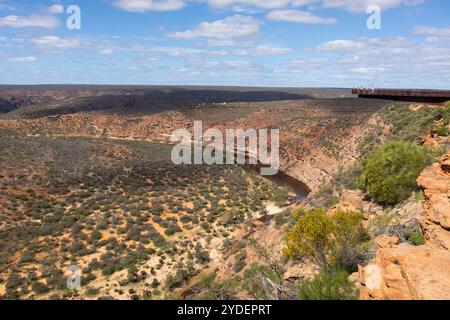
(390, 173)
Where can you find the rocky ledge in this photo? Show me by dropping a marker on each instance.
(435, 222)
(402, 271)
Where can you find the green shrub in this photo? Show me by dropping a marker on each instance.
(442, 131)
(328, 285)
(390, 173)
(328, 240)
(415, 237)
(408, 124)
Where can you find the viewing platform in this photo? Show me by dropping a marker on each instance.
(409, 95)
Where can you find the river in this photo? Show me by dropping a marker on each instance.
(282, 179)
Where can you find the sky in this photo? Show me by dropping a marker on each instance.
(270, 43)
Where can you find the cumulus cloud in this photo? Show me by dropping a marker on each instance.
(262, 4)
(33, 21)
(436, 32)
(348, 5)
(362, 5)
(56, 9)
(55, 42)
(22, 59)
(298, 17)
(364, 60)
(149, 5)
(106, 52)
(433, 35)
(338, 45)
(262, 50)
(237, 26)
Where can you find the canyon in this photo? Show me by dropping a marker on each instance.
(324, 135)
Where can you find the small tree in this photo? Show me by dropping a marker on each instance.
(390, 173)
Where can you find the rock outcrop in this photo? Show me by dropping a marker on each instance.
(407, 272)
(435, 222)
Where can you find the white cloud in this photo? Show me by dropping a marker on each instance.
(236, 26)
(149, 5)
(298, 16)
(434, 32)
(34, 21)
(56, 9)
(262, 4)
(368, 70)
(262, 50)
(348, 5)
(338, 45)
(384, 62)
(56, 42)
(362, 5)
(22, 59)
(106, 52)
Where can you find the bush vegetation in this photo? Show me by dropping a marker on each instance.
(390, 172)
(128, 199)
(328, 285)
(330, 241)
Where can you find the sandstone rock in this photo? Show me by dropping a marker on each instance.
(435, 221)
(372, 210)
(386, 242)
(296, 272)
(406, 272)
(350, 201)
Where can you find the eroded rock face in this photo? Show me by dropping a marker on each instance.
(435, 221)
(406, 272)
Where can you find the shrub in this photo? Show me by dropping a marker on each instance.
(240, 262)
(39, 287)
(442, 131)
(310, 236)
(251, 280)
(91, 291)
(415, 237)
(14, 281)
(155, 283)
(410, 125)
(328, 241)
(213, 289)
(390, 173)
(328, 285)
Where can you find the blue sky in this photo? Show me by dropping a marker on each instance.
(294, 43)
